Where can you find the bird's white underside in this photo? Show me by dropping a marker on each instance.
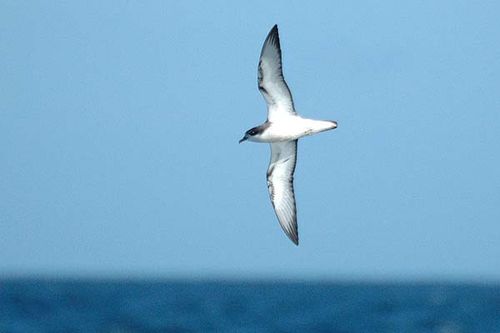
(292, 127)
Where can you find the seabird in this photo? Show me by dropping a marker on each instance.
(281, 130)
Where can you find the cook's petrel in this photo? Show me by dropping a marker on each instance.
(282, 130)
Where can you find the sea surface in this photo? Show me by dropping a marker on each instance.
(44, 305)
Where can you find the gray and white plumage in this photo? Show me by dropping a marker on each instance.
(282, 130)
(271, 82)
(280, 186)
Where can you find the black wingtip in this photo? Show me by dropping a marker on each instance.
(273, 37)
(294, 237)
(274, 31)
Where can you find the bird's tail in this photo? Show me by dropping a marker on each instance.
(326, 125)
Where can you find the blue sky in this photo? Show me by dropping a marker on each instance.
(119, 128)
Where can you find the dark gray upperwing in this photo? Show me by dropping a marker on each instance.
(271, 82)
(280, 186)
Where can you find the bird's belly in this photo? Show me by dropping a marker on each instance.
(285, 132)
(294, 128)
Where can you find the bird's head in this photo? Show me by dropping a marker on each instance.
(249, 135)
(255, 133)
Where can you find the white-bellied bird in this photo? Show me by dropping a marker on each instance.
(281, 130)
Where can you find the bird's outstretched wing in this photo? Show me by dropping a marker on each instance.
(280, 185)
(271, 82)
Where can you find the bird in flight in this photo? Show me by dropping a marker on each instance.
(281, 130)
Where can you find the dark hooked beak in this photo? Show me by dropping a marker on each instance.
(245, 138)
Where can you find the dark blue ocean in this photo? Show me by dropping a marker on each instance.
(246, 306)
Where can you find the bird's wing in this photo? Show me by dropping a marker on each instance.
(280, 185)
(271, 82)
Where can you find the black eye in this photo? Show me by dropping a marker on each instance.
(252, 132)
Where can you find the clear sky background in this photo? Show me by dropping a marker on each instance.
(120, 120)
